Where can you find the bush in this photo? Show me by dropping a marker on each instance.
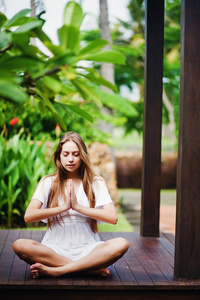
(22, 164)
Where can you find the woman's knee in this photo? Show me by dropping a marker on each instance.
(20, 246)
(124, 244)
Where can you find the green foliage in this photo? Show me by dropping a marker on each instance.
(133, 49)
(172, 56)
(55, 83)
(22, 164)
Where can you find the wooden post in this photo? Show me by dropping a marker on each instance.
(187, 246)
(151, 169)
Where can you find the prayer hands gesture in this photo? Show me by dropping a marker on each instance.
(71, 196)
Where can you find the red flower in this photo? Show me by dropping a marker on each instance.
(14, 121)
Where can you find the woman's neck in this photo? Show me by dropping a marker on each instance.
(74, 176)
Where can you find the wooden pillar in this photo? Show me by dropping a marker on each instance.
(154, 28)
(187, 246)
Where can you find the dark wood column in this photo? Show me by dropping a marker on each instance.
(187, 250)
(154, 28)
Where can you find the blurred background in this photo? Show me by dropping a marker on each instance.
(113, 130)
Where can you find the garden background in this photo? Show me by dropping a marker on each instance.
(89, 81)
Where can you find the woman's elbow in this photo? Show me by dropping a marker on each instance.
(115, 220)
(27, 218)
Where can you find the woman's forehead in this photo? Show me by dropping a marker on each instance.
(70, 146)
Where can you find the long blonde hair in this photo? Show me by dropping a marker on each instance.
(85, 171)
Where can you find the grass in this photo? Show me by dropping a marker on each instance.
(122, 225)
(134, 141)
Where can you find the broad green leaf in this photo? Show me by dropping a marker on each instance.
(34, 149)
(73, 14)
(14, 176)
(43, 97)
(66, 90)
(94, 46)
(2, 19)
(60, 121)
(42, 108)
(59, 108)
(21, 40)
(39, 33)
(14, 197)
(52, 109)
(117, 102)
(86, 91)
(81, 112)
(69, 37)
(12, 92)
(56, 50)
(65, 58)
(20, 14)
(52, 84)
(21, 63)
(11, 167)
(4, 186)
(21, 21)
(108, 56)
(96, 77)
(28, 26)
(5, 39)
(5, 74)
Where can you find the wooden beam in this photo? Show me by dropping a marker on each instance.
(151, 169)
(187, 252)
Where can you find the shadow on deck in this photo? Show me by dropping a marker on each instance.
(145, 272)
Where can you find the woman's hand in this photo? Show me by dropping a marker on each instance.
(73, 200)
(67, 204)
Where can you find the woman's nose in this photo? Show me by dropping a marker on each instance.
(70, 157)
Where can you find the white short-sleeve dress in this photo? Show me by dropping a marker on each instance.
(74, 239)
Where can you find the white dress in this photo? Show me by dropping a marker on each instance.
(74, 239)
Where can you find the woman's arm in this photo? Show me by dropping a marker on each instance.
(107, 214)
(34, 212)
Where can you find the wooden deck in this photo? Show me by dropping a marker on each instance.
(145, 272)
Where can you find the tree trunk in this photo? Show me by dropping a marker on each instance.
(107, 70)
(33, 14)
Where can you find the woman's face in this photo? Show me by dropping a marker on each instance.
(70, 157)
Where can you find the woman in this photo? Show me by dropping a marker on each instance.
(72, 201)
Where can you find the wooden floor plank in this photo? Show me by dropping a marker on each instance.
(4, 234)
(122, 268)
(147, 266)
(167, 244)
(124, 272)
(166, 254)
(7, 256)
(170, 237)
(18, 271)
(152, 248)
(135, 265)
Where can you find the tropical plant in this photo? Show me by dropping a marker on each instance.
(57, 82)
(22, 164)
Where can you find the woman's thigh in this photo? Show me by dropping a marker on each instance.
(32, 251)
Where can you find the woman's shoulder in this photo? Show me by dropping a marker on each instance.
(48, 179)
(98, 181)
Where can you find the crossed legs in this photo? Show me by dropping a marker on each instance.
(45, 262)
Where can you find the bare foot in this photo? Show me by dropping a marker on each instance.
(40, 270)
(104, 272)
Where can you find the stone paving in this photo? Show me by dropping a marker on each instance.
(131, 204)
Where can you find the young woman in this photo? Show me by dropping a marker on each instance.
(72, 201)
